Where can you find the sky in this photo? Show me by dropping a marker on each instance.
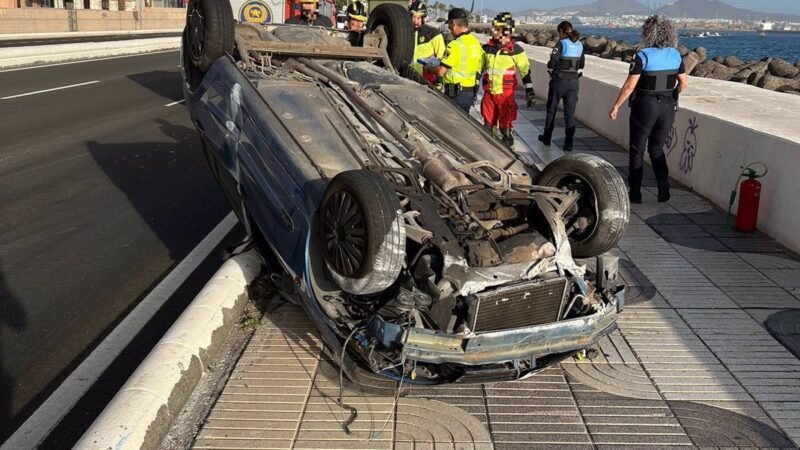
(779, 6)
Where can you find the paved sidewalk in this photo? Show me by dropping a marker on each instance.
(698, 360)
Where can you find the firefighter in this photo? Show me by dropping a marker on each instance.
(309, 15)
(503, 60)
(657, 76)
(462, 63)
(565, 63)
(356, 19)
(428, 40)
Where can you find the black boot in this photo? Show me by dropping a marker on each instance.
(568, 142)
(544, 139)
(661, 170)
(508, 137)
(635, 183)
(635, 195)
(663, 191)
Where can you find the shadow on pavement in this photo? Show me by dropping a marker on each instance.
(168, 183)
(154, 81)
(12, 318)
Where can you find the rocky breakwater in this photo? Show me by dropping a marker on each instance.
(774, 74)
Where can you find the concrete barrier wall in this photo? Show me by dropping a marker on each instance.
(163, 19)
(47, 20)
(94, 20)
(720, 126)
(33, 20)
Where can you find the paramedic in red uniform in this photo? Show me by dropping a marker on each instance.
(503, 60)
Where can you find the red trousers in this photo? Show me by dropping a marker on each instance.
(499, 109)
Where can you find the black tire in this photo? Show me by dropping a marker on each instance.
(208, 34)
(604, 199)
(397, 24)
(362, 232)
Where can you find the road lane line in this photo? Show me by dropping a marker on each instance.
(44, 420)
(175, 103)
(16, 69)
(49, 90)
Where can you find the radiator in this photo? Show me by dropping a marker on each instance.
(517, 306)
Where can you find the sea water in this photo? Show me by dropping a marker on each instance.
(745, 45)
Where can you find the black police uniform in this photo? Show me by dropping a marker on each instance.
(567, 59)
(653, 107)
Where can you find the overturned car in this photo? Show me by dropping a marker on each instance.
(420, 246)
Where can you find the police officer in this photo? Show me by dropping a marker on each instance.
(565, 63)
(462, 63)
(356, 17)
(428, 40)
(309, 15)
(503, 60)
(657, 76)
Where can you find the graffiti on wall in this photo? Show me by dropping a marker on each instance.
(672, 141)
(689, 146)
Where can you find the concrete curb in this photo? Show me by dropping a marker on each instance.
(140, 414)
(47, 54)
(71, 34)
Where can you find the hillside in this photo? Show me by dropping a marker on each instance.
(613, 7)
(712, 9)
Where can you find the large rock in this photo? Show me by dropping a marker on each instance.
(702, 52)
(530, 38)
(551, 44)
(781, 68)
(754, 70)
(543, 37)
(611, 47)
(628, 54)
(774, 83)
(714, 70)
(733, 61)
(683, 50)
(718, 59)
(595, 44)
(797, 64)
(690, 61)
(755, 78)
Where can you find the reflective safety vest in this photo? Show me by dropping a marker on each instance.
(660, 74)
(428, 42)
(464, 61)
(570, 58)
(502, 65)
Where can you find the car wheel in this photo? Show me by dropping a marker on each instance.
(600, 217)
(362, 232)
(396, 22)
(208, 35)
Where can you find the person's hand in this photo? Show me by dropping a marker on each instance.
(613, 113)
(530, 97)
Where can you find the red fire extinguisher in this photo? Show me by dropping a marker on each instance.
(749, 198)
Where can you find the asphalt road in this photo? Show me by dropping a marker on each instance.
(103, 188)
(4, 43)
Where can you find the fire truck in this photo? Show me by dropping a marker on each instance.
(275, 11)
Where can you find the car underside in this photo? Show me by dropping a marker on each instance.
(422, 248)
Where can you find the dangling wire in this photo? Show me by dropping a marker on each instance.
(345, 423)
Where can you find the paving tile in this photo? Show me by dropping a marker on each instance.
(786, 278)
(761, 297)
(691, 365)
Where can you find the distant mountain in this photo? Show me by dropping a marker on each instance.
(600, 7)
(715, 9)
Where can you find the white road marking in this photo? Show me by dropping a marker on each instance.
(175, 103)
(16, 69)
(49, 90)
(39, 425)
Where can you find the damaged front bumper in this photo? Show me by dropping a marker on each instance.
(428, 346)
